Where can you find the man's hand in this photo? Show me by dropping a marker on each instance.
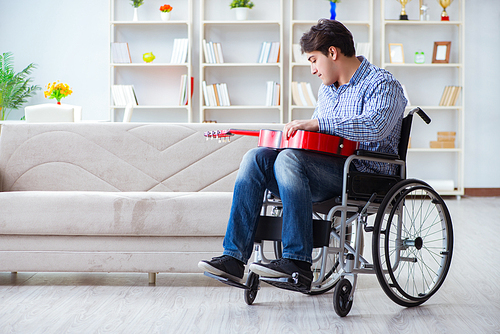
(308, 125)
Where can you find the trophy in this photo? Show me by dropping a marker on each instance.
(403, 15)
(444, 4)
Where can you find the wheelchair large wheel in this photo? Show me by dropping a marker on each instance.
(412, 242)
(333, 269)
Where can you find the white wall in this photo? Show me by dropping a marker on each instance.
(69, 42)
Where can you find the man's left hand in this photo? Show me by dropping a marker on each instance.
(307, 125)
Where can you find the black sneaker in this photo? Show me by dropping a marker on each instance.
(224, 266)
(279, 268)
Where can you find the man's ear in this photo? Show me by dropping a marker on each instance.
(333, 52)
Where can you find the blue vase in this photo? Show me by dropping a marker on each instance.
(333, 7)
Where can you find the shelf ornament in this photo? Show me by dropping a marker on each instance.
(165, 12)
(241, 8)
(444, 4)
(403, 15)
(148, 57)
(333, 9)
(136, 4)
(57, 90)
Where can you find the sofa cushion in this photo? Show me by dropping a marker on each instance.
(114, 213)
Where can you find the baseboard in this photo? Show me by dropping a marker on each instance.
(482, 192)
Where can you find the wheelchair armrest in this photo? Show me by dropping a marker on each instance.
(374, 154)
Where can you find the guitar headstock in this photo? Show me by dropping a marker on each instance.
(219, 134)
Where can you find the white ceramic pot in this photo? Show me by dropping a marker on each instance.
(136, 14)
(165, 16)
(241, 13)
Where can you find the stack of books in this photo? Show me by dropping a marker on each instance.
(450, 96)
(213, 53)
(180, 51)
(183, 96)
(269, 52)
(446, 139)
(121, 53)
(302, 94)
(273, 94)
(123, 95)
(216, 95)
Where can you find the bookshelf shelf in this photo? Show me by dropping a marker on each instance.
(138, 23)
(427, 85)
(148, 65)
(242, 65)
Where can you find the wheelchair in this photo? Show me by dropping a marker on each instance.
(412, 235)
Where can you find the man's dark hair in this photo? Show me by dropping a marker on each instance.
(325, 34)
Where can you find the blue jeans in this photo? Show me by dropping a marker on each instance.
(299, 178)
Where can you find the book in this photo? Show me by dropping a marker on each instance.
(179, 51)
(298, 56)
(269, 52)
(120, 53)
(215, 94)
(185, 89)
(213, 52)
(363, 49)
(450, 96)
(123, 95)
(302, 94)
(273, 94)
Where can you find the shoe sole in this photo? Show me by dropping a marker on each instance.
(205, 266)
(266, 272)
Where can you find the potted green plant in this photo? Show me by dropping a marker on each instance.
(241, 8)
(136, 4)
(15, 88)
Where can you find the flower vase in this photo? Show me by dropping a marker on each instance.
(136, 14)
(333, 8)
(165, 16)
(241, 13)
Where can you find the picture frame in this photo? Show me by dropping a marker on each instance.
(396, 53)
(441, 52)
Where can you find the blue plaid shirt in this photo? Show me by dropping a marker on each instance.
(368, 109)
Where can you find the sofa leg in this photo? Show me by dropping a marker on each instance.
(152, 278)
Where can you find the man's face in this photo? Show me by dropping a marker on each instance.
(323, 66)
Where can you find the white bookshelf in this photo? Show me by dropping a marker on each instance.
(245, 77)
(425, 84)
(356, 15)
(157, 84)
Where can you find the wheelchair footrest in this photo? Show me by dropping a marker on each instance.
(297, 282)
(227, 281)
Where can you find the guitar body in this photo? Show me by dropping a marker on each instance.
(304, 140)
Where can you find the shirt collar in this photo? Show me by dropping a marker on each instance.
(359, 75)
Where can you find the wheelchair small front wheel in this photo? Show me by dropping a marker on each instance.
(342, 301)
(253, 284)
(412, 242)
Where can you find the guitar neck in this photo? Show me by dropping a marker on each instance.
(254, 133)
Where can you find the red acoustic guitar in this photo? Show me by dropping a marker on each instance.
(306, 140)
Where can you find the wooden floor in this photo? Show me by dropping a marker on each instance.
(468, 302)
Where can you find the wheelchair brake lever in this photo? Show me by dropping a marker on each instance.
(362, 215)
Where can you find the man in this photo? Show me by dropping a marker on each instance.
(356, 101)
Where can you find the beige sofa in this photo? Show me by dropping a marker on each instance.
(115, 197)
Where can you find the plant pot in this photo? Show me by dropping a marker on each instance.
(241, 13)
(136, 14)
(165, 16)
